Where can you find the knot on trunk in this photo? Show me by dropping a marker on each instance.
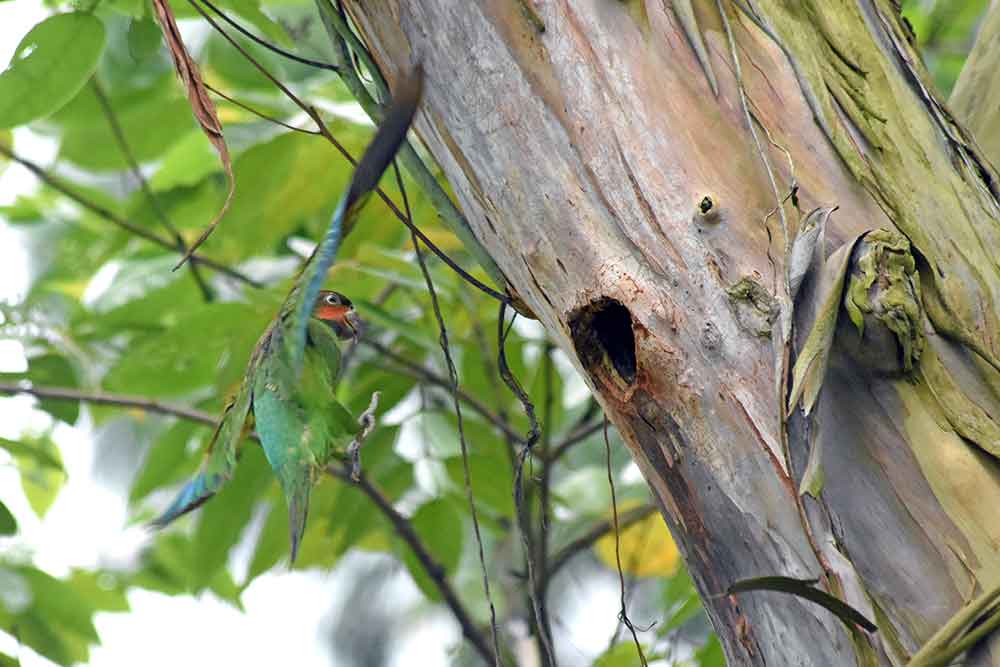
(882, 300)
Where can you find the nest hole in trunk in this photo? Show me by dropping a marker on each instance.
(604, 340)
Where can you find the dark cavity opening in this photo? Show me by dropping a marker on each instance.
(603, 338)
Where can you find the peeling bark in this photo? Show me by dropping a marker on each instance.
(631, 210)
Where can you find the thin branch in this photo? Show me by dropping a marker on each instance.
(267, 45)
(419, 372)
(522, 455)
(453, 380)
(599, 530)
(434, 569)
(261, 114)
(118, 220)
(545, 488)
(325, 132)
(623, 613)
(133, 163)
(102, 398)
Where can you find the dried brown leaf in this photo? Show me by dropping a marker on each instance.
(201, 106)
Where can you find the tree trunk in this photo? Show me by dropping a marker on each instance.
(632, 210)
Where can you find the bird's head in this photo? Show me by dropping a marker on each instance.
(337, 311)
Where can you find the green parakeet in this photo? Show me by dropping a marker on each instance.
(289, 383)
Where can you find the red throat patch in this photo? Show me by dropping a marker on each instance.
(337, 313)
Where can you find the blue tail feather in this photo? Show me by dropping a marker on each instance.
(192, 496)
(298, 510)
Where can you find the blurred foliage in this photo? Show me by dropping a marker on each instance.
(105, 313)
(945, 31)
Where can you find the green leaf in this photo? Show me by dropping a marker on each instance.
(43, 457)
(492, 478)
(804, 588)
(711, 655)
(52, 370)
(133, 279)
(7, 141)
(269, 204)
(144, 38)
(168, 567)
(193, 354)
(58, 620)
(9, 661)
(168, 461)
(622, 654)
(409, 330)
(50, 66)
(189, 160)
(104, 591)
(681, 600)
(8, 524)
(356, 394)
(439, 524)
(40, 467)
(151, 118)
(272, 544)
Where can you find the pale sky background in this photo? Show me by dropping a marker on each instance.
(286, 612)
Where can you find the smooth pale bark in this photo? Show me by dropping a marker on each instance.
(586, 156)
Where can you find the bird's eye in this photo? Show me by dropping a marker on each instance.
(332, 299)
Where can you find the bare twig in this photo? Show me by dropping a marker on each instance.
(534, 433)
(267, 45)
(261, 114)
(453, 380)
(544, 492)
(434, 569)
(419, 372)
(576, 437)
(599, 530)
(119, 133)
(102, 398)
(118, 220)
(623, 613)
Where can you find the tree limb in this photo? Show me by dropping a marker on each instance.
(101, 398)
(434, 570)
(133, 163)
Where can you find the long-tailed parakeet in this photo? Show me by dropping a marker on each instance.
(288, 387)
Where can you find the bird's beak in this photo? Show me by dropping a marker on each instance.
(354, 323)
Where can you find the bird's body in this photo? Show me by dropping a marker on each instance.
(289, 383)
(299, 422)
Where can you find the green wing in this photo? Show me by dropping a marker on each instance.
(299, 422)
(220, 459)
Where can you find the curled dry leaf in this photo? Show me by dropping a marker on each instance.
(201, 106)
(810, 367)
